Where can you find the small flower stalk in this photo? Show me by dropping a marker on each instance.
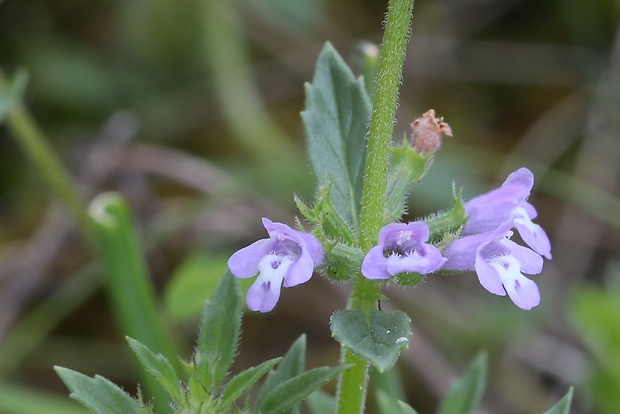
(287, 258)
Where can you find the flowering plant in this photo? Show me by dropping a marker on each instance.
(356, 234)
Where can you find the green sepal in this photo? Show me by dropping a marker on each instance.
(159, 367)
(562, 406)
(446, 225)
(98, 394)
(342, 261)
(378, 337)
(241, 382)
(326, 217)
(409, 278)
(408, 168)
(219, 333)
(466, 392)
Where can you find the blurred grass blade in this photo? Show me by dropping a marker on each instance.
(131, 293)
(13, 92)
(36, 146)
(465, 393)
(22, 400)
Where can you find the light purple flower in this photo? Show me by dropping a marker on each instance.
(508, 203)
(402, 248)
(287, 258)
(499, 263)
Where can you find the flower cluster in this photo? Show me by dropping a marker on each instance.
(486, 246)
(288, 257)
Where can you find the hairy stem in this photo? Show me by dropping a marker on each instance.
(354, 381)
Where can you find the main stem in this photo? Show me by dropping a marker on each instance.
(354, 381)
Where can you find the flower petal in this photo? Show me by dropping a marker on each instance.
(244, 262)
(314, 248)
(300, 271)
(522, 291)
(488, 277)
(374, 264)
(461, 253)
(265, 291)
(489, 210)
(529, 261)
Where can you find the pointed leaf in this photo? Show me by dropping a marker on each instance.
(243, 381)
(562, 406)
(320, 402)
(335, 121)
(465, 393)
(219, 332)
(97, 394)
(293, 391)
(158, 366)
(291, 366)
(406, 408)
(378, 337)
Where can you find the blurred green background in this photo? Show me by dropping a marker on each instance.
(191, 109)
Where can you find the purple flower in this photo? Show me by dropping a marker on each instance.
(402, 248)
(499, 263)
(508, 203)
(288, 257)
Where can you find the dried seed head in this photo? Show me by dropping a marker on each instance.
(427, 131)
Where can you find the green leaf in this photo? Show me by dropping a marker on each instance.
(13, 92)
(291, 392)
(160, 368)
(219, 332)
(17, 399)
(243, 381)
(562, 406)
(320, 402)
(406, 408)
(291, 366)
(465, 393)
(97, 394)
(378, 337)
(191, 282)
(335, 121)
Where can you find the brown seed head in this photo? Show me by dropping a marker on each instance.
(427, 132)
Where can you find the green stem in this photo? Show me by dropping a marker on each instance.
(354, 381)
(35, 145)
